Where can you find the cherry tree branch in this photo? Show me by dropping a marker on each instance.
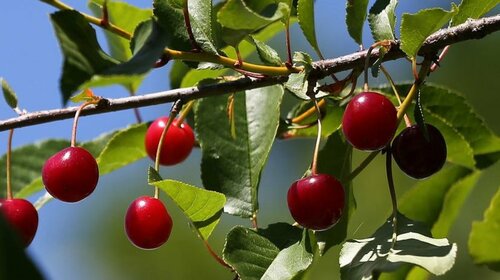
(473, 29)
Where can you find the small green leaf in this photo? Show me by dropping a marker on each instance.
(382, 19)
(415, 28)
(124, 15)
(484, 239)
(305, 14)
(291, 261)
(233, 166)
(414, 245)
(202, 24)
(267, 54)
(249, 253)
(169, 15)
(335, 158)
(9, 94)
(252, 253)
(298, 83)
(83, 57)
(473, 9)
(355, 18)
(125, 147)
(15, 263)
(202, 207)
(153, 175)
(236, 14)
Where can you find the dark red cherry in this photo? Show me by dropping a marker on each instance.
(71, 174)
(415, 155)
(316, 202)
(369, 121)
(177, 144)
(22, 216)
(147, 223)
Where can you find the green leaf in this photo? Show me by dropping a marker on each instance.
(251, 253)
(83, 57)
(305, 14)
(382, 19)
(267, 54)
(415, 28)
(202, 24)
(291, 261)
(236, 14)
(169, 15)
(473, 9)
(127, 17)
(359, 259)
(125, 147)
(484, 239)
(233, 166)
(9, 94)
(331, 121)
(202, 207)
(355, 18)
(335, 158)
(14, 262)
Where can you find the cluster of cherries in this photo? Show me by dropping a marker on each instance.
(72, 174)
(315, 202)
(369, 124)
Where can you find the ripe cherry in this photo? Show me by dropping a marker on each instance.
(177, 144)
(147, 223)
(415, 155)
(369, 121)
(71, 174)
(22, 216)
(316, 202)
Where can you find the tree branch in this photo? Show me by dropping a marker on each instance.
(473, 29)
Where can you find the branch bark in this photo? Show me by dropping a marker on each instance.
(473, 29)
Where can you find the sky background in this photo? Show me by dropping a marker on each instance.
(86, 240)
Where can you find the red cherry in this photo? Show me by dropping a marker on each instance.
(415, 155)
(22, 216)
(369, 121)
(177, 144)
(147, 223)
(316, 202)
(71, 174)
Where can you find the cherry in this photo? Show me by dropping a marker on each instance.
(147, 223)
(22, 216)
(177, 144)
(71, 174)
(369, 121)
(415, 155)
(316, 202)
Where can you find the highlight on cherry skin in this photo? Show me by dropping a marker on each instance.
(147, 223)
(370, 121)
(71, 174)
(317, 201)
(22, 216)
(417, 156)
(177, 144)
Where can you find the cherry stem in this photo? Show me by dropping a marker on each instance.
(288, 44)
(184, 112)
(105, 14)
(302, 117)
(367, 65)
(392, 190)
(77, 116)
(187, 21)
(440, 58)
(210, 249)
(255, 224)
(173, 113)
(396, 93)
(9, 154)
(314, 169)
